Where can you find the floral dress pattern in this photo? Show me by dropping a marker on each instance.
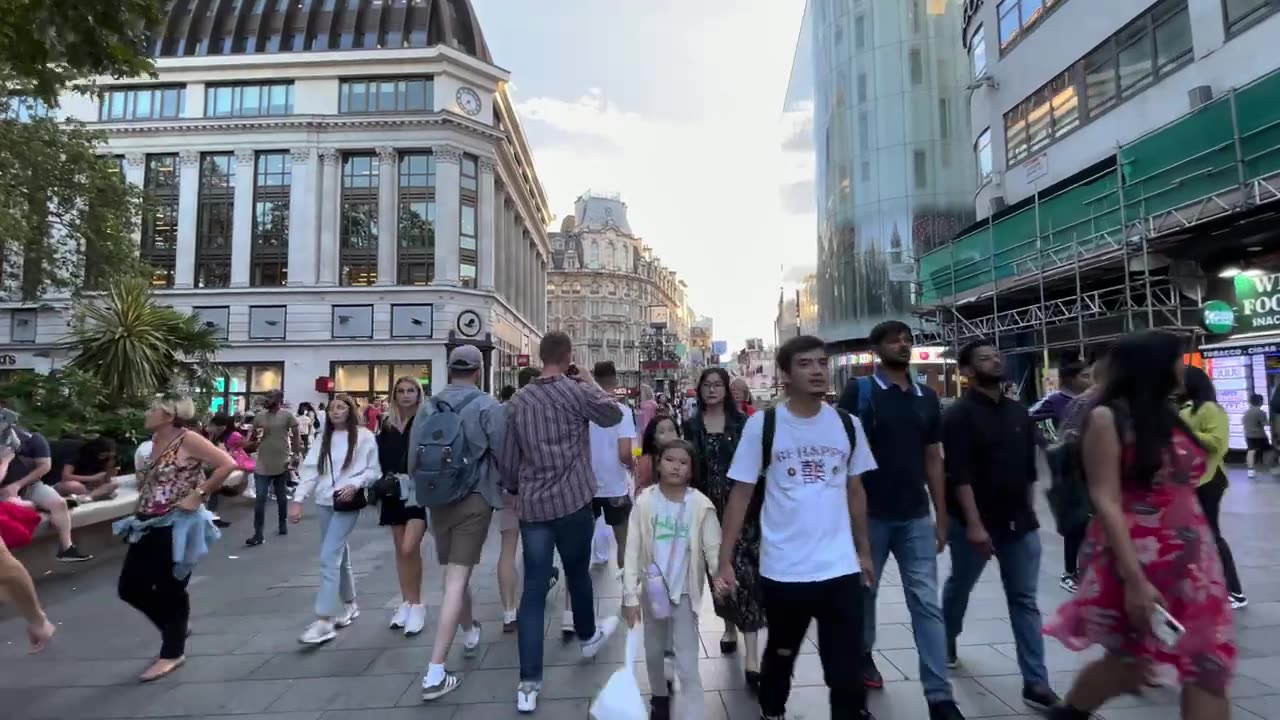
(167, 481)
(743, 607)
(1177, 552)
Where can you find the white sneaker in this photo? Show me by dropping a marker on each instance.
(604, 629)
(349, 614)
(400, 617)
(1252, 474)
(470, 639)
(317, 633)
(527, 696)
(416, 620)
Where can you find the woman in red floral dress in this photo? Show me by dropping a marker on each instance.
(1148, 543)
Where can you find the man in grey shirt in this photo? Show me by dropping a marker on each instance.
(277, 439)
(460, 528)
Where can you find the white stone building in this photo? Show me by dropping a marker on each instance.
(604, 282)
(342, 192)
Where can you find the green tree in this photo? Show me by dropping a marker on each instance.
(68, 218)
(135, 347)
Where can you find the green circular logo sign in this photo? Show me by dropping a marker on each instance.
(1219, 318)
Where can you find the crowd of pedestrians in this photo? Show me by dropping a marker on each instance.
(786, 514)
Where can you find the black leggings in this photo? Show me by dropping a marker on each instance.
(1210, 495)
(1071, 542)
(148, 584)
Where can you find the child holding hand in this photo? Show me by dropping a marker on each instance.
(676, 547)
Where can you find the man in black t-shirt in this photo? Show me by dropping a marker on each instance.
(903, 423)
(31, 462)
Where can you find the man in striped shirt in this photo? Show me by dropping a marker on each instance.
(546, 463)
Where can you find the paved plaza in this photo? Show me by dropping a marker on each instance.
(250, 604)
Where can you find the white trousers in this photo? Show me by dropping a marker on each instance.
(679, 632)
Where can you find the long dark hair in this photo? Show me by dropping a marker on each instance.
(223, 421)
(1199, 388)
(731, 409)
(1141, 377)
(649, 443)
(353, 433)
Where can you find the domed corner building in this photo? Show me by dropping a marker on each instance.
(341, 187)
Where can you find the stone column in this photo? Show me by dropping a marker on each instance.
(509, 255)
(388, 202)
(242, 220)
(135, 173)
(303, 239)
(486, 256)
(184, 265)
(448, 212)
(521, 283)
(330, 205)
(542, 294)
(529, 287)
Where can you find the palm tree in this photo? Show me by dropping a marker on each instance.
(136, 347)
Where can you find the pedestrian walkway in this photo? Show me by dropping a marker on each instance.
(250, 604)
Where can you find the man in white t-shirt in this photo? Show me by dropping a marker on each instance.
(611, 462)
(814, 553)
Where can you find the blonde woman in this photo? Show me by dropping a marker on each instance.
(408, 521)
(170, 514)
(339, 469)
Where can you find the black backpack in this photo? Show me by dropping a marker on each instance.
(766, 450)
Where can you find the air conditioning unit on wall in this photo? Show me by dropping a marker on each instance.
(1200, 95)
(995, 204)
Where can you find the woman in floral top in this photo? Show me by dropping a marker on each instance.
(173, 487)
(1148, 544)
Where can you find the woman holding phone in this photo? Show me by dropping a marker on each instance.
(1149, 554)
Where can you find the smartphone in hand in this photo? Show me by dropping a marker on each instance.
(1166, 629)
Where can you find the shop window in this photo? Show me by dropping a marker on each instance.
(242, 388)
(22, 327)
(213, 318)
(363, 379)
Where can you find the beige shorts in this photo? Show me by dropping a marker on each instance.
(460, 530)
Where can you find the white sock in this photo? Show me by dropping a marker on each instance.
(509, 616)
(470, 635)
(435, 674)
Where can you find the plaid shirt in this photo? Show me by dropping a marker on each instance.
(546, 457)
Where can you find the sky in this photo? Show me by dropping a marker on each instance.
(677, 105)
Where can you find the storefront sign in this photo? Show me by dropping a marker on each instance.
(1219, 318)
(522, 361)
(8, 360)
(1257, 302)
(1262, 349)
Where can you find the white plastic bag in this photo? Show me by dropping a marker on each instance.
(601, 543)
(620, 698)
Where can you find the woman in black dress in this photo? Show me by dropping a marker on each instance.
(714, 432)
(407, 521)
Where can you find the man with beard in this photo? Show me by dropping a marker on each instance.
(989, 445)
(903, 422)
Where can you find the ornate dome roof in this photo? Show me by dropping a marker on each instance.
(243, 27)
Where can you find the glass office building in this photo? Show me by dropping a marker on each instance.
(895, 173)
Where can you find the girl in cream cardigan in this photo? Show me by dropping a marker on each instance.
(673, 546)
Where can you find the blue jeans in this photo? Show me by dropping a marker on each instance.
(914, 545)
(571, 537)
(1019, 560)
(337, 582)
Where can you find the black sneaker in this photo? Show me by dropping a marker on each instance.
(1040, 697)
(953, 658)
(1069, 582)
(284, 530)
(221, 524)
(659, 708)
(871, 676)
(1238, 600)
(254, 541)
(944, 710)
(73, 555)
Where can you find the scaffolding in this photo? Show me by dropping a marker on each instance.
(1074, 266)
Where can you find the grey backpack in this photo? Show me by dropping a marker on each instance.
(447, 468)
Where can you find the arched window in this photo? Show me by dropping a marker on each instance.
(593, 255)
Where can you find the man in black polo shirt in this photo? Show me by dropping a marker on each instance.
(989, 443)
(903, 424)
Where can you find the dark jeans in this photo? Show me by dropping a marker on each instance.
(836, 605)
(261, 485)
(1210, 495)
(1019, 560)
(570, 536)
(148, 584)
(1072, 540)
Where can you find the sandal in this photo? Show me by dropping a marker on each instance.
(728, 647)
(152, 674)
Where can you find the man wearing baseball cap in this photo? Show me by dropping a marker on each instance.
(460, 527)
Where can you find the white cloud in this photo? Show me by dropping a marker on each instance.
(702, 184)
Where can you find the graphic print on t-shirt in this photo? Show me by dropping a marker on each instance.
(669, 527)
